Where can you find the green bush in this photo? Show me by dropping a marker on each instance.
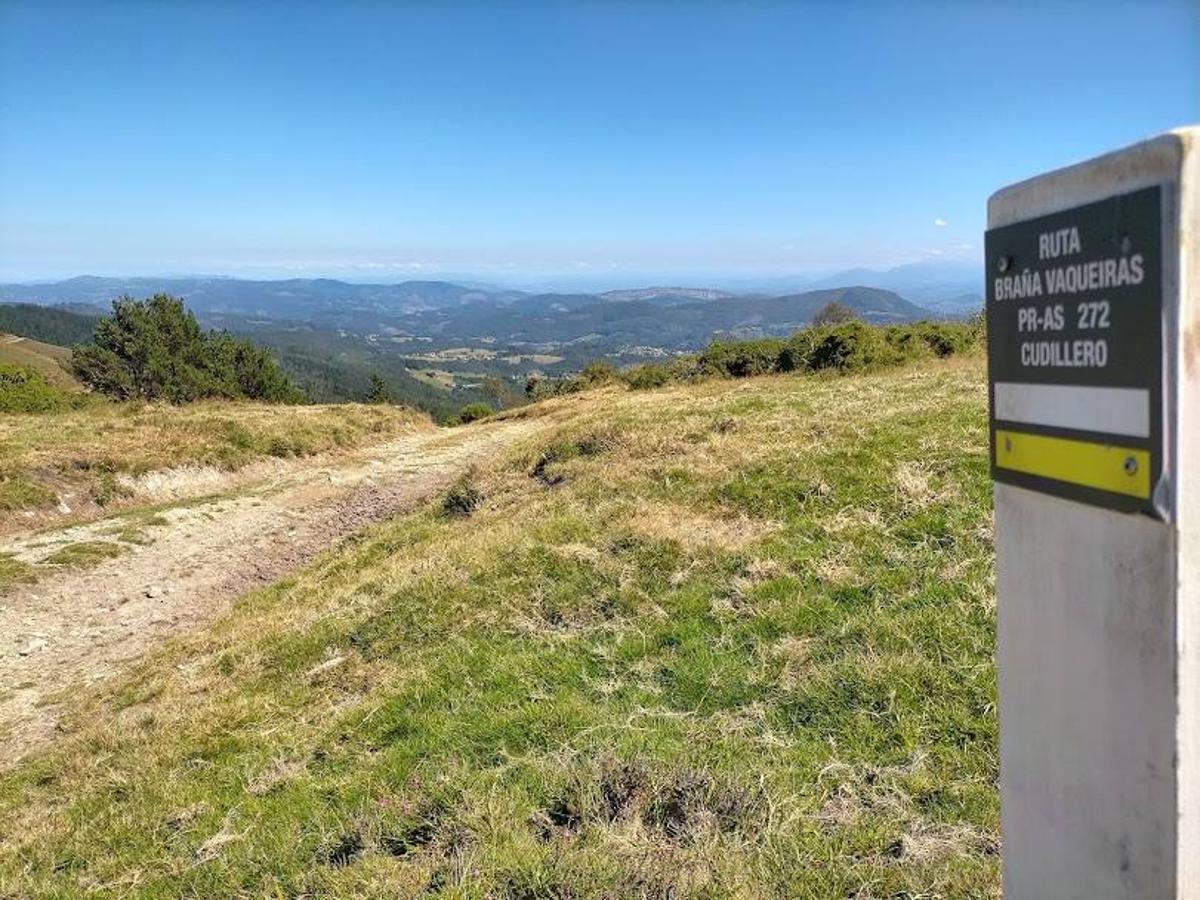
(545, 388)
(379, 392)
(651, 375)
(462, 499)
(154, 349)
(907, 342)
(598, 372)
(25, 390)
(741, 359)
(939, 338)
(846, 347)
(851, 347)
(472, 412)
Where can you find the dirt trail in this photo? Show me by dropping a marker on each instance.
(77, 627)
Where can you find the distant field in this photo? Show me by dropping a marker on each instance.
(728, 639)
(541, 359)
(454, 354)
(45, 358)
(436, 377)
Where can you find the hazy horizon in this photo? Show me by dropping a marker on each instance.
(575, 281)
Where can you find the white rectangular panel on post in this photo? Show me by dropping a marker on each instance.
(1094, 382)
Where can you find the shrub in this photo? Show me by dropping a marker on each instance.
(462, 499)
(802, 348)
(472, 412)
(741, 359)
(946, 340)
(598, 372)
(155, 349)
(851, 347)
(906, 342)
(651, 375)
(940, 338)
(544, 388)
(846, 347)
(379, 392)
(25, 390)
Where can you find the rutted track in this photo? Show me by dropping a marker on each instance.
(77, 627)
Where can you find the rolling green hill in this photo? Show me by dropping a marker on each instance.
(722, 639)
(45, 358)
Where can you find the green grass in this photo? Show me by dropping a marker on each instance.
(13, 571)
(18, 491)
(128, 529)
(726, 640)
(27, 390)
(83, 553)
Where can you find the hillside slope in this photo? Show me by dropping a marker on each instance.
(732, 639)
(45, 358)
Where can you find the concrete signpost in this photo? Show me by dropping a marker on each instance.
(1093, 315)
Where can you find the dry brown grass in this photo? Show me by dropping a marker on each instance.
(696, 530)
(113, 455)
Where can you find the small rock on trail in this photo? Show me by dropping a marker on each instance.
(34, 645)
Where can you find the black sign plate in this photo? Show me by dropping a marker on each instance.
(1075, 351)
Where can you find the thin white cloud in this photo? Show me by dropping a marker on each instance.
(939, 222)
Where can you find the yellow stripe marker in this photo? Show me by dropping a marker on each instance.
(1121, 470)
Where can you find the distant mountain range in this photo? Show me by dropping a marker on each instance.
(665, 318)
(439, 307)
(297, 298)
(438, 342)
(948, 288)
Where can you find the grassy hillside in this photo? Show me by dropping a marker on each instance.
(729, 639)
(79, 456)
(31, 354)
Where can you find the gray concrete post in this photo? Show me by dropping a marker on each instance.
(1096, 457)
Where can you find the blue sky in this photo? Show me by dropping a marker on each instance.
(380, 141)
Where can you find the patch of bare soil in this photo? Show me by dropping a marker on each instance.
(77, 627)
